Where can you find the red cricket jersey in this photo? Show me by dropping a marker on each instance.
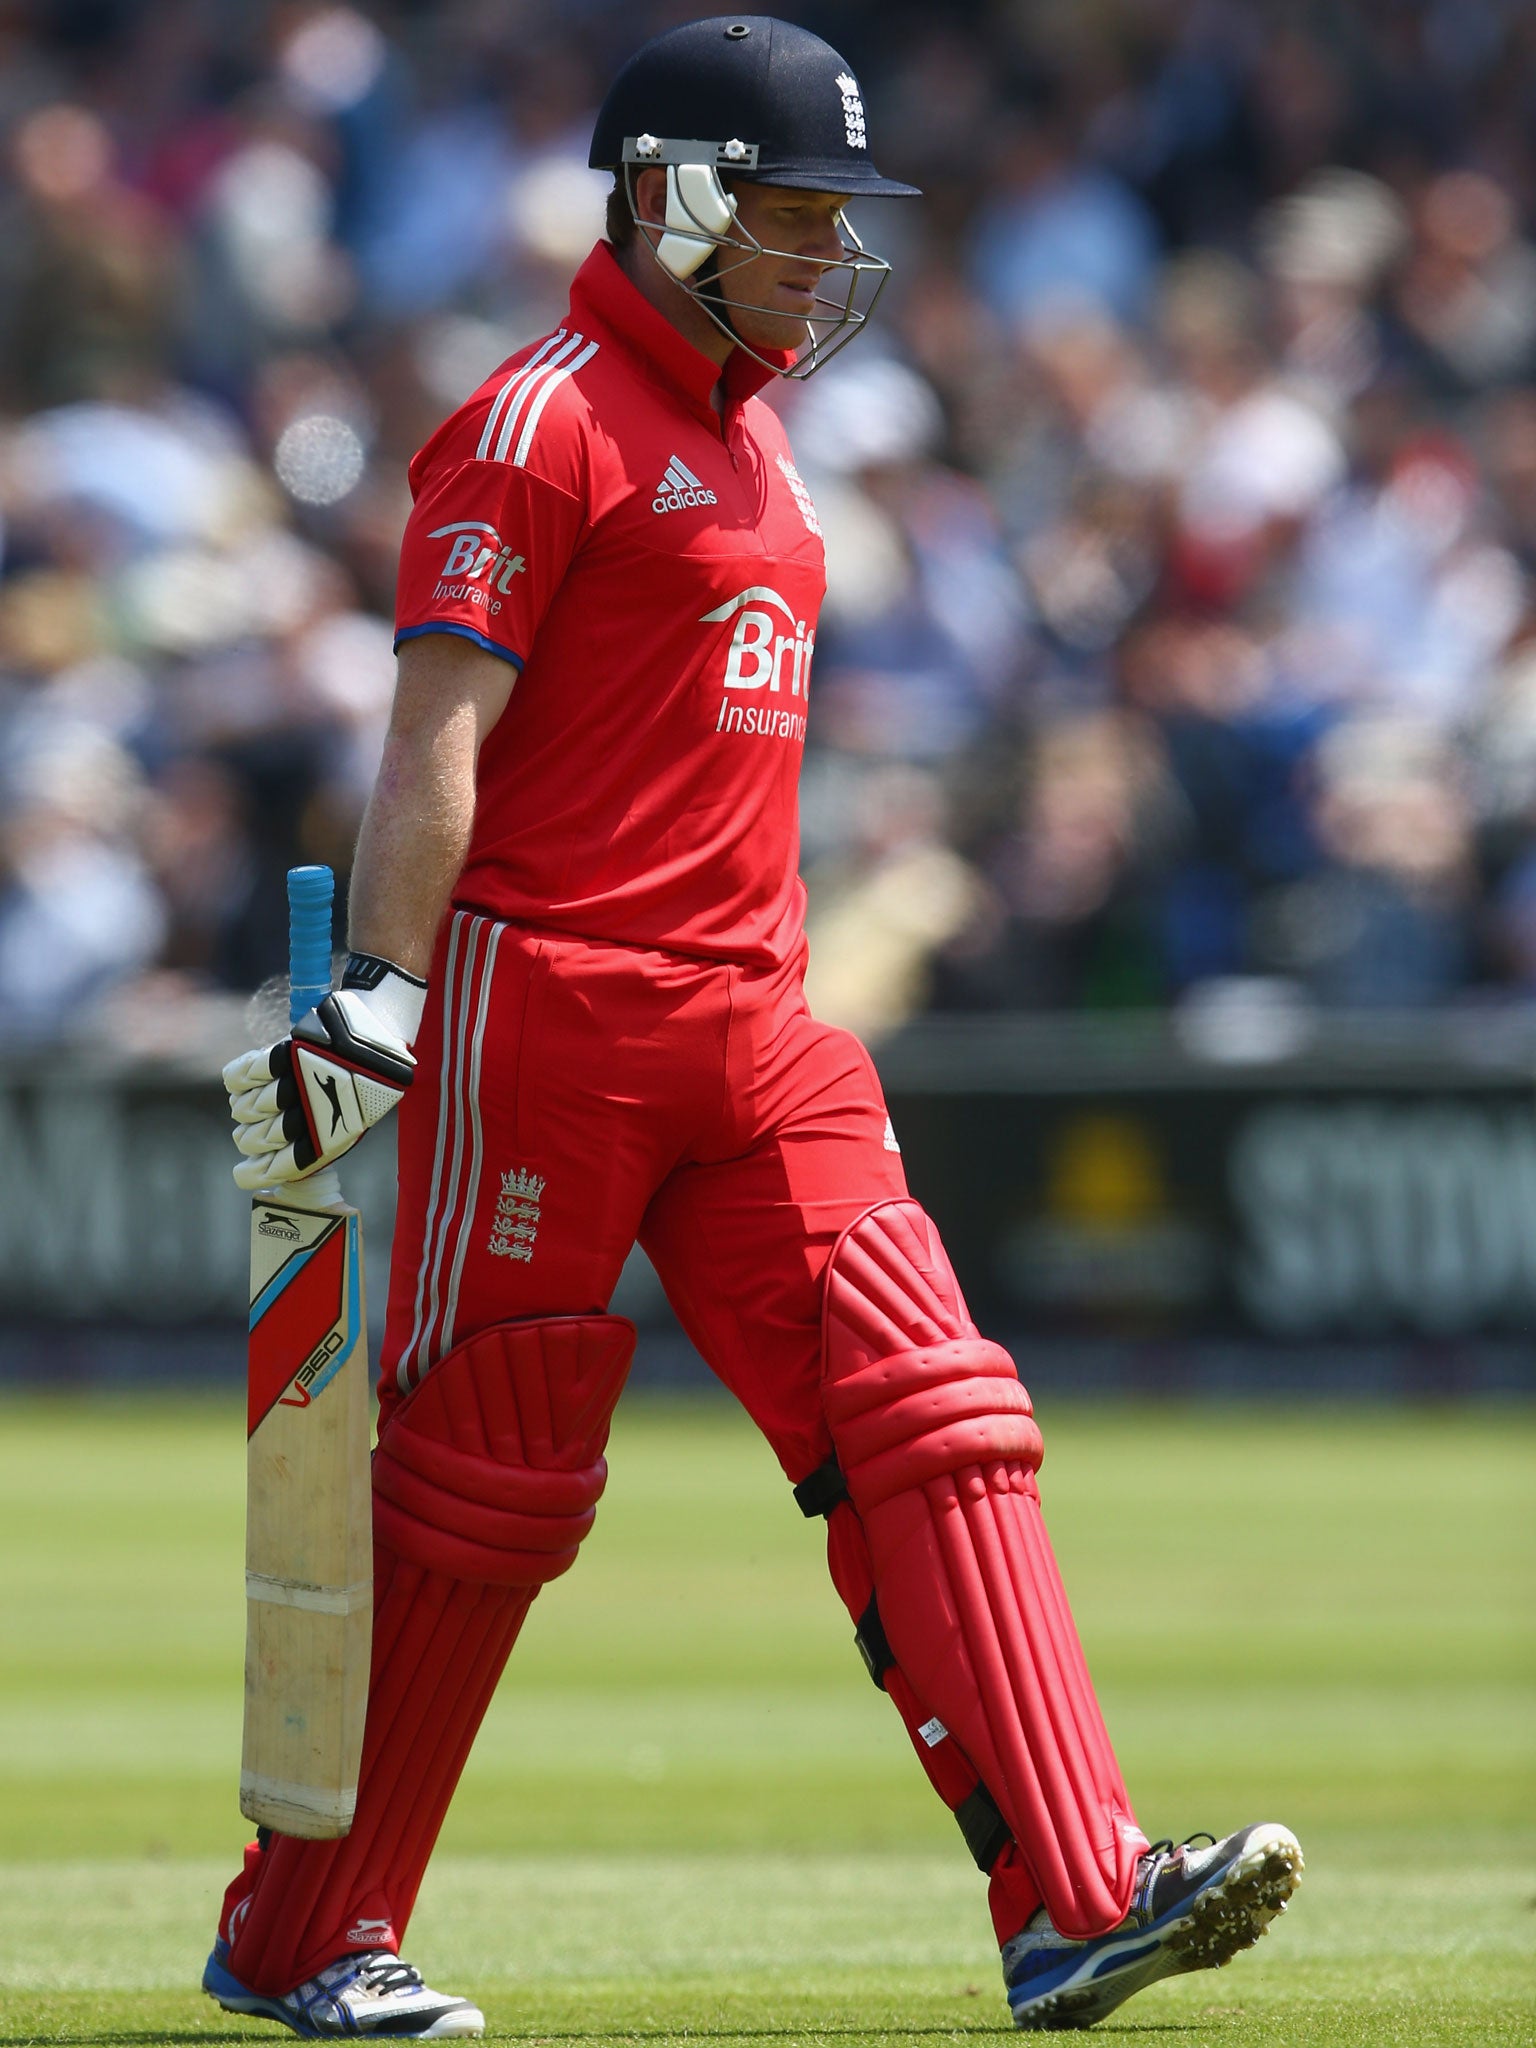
(654, 572)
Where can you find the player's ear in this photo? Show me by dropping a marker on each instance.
(651, 196)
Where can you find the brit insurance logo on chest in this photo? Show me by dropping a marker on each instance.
(770, 650)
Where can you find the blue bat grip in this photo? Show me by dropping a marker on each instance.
(310, 891)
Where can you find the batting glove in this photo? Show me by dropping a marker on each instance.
(299, 1104)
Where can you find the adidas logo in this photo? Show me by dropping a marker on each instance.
(680, 488)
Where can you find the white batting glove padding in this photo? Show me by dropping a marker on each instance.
(300, 1104)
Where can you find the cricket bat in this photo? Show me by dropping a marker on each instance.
(308, 1530)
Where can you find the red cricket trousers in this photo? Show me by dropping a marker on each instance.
(574, 1097)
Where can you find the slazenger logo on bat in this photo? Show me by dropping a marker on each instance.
(477, 551)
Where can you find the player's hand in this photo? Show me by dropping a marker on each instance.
(300, 1104)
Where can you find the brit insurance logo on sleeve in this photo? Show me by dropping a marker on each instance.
(478, 564)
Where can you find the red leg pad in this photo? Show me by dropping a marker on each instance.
(1012, 1892)
(485, 1480)
(939, 1448)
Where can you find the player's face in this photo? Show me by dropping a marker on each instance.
(770, 298)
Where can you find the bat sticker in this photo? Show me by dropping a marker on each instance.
(310, 1308)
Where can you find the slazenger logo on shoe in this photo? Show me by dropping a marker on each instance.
(680, 488)
(366, 1933)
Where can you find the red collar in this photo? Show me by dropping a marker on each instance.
(602, 295)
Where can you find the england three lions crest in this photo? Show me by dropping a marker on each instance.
(515, 1226)
(853, 111)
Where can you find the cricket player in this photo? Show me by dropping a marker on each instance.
(577, 931)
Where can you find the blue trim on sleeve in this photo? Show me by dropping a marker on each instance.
(464, 633)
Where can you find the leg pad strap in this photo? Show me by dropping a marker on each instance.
(985, 1831)
(873, 1644)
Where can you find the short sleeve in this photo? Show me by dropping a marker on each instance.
(485, 549)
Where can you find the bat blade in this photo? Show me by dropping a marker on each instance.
(309, 1513)
(309, 1591)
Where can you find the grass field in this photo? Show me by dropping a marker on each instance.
(691, 1817)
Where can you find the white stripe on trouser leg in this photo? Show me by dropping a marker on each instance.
(403, 1375)
(445, 1164)
(431, 1348)
(476, 1149)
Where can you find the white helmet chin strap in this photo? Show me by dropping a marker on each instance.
(699, 214)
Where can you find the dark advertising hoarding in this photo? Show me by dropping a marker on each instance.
(1357, 1214)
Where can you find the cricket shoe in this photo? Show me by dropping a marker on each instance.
(373, 1995)
(1192, 1909)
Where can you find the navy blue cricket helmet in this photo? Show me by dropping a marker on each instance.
(777, 104)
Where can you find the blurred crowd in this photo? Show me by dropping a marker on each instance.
(1180, 507)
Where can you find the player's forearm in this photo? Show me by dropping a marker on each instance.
(414, 839)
